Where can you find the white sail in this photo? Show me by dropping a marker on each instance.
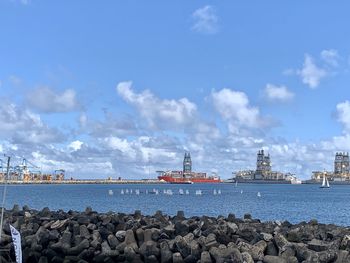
(327, 183)
(324, 180)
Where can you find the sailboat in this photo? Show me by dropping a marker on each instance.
(325, 183)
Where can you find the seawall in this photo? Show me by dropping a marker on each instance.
(71, 236)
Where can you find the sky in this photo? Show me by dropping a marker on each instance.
(125, 88)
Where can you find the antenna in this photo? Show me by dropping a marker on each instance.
(149, 165)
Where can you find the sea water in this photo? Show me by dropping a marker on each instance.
(294, 203)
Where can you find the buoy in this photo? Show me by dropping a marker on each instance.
(198, 192)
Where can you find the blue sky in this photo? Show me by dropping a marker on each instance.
(109, 89)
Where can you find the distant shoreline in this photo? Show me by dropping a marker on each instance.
(86, 181)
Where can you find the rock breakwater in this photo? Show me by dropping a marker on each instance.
(59, 236)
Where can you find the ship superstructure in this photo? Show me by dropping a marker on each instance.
(187, 175)
(341, 171)
(264, 173)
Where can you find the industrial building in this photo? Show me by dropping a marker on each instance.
(26, 171)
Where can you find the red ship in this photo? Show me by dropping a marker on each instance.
(187, 176)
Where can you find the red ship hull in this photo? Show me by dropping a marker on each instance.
(180, 180)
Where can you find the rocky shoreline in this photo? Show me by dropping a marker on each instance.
(59, 236)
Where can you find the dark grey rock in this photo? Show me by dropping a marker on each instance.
(177, 258)
(166, 256)
(120, 235)
(274, 259)
(205, 257)
(318, 245)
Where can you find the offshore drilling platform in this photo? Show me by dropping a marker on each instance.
(263, 173)
(340, 173)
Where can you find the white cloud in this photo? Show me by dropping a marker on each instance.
(234, 107)
(330, 56)
(47, 100)
(343, 110)
(278, 93)
(75, 145)
(311, 74)
(23, 126)
(157, 112)
(205, 20)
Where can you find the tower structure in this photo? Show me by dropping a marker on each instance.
(263, 165)
(187, 164)
(341, 163)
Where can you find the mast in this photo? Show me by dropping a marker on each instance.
(4, 195)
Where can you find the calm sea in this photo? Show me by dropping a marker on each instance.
(294, 203)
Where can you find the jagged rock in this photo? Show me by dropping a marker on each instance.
(129, 253)
(274, 259)
(182, 246)
(149, 248)
(266, 236)
(107, 251)
(130, 240)
(112, 241)
(318, 245)
(345, 243)
(271, 249)
(342, 256)
(120, 235)
(223, 253)
(76, 250)
(280, 241)
(257, 250)
(205, 257)
(59, 224)
(140, 236)
(177, 258)
(247, 258)
(166, 256)
(210, 241)
(64, 243)
(169, 230)
(94, 237)
(181, 228)
(42, 236)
